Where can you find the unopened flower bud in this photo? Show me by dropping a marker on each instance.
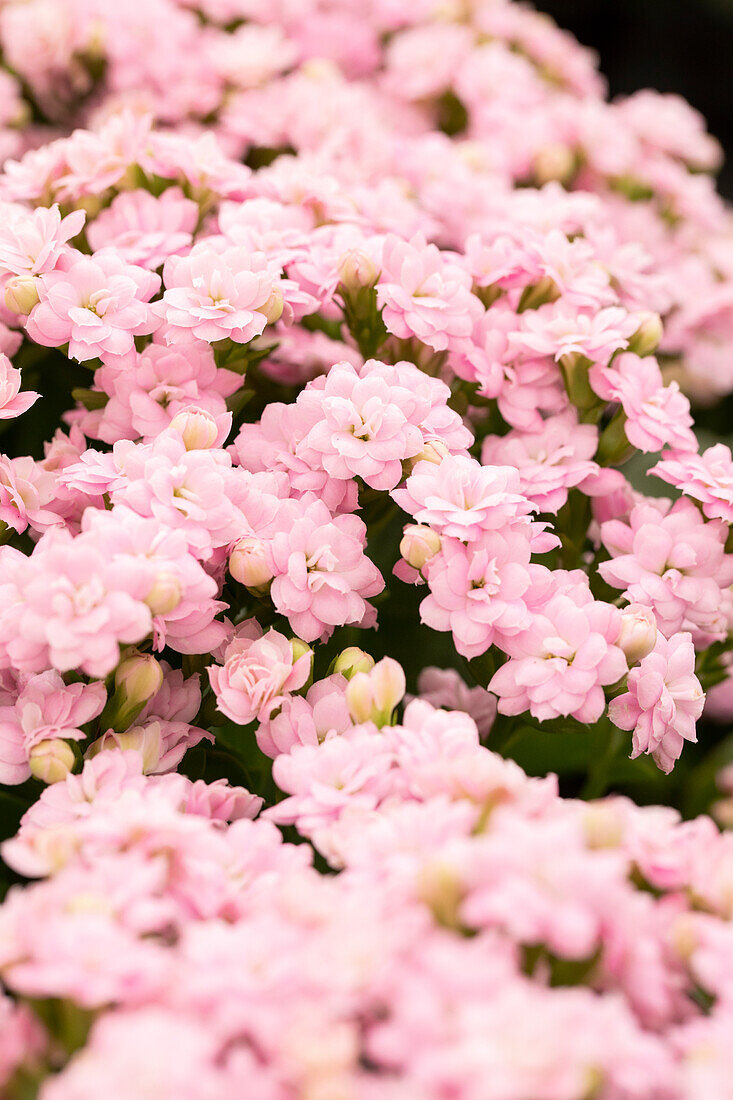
(357, 270)
(51, 760)
(638, 634)
(147, 740)
(21, 294)
(273, 308)
(165, 595)
(248, 563)
(359, 698)
(554, 162)
(351, 661)
(648, 336)
(440, 887)
(419, 544)
(299, 649)
(388, 685)
(138, 678)
(372, 696)
(197, 428)
(602, 826)
(434, 451)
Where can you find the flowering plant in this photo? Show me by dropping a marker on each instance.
(366, 581)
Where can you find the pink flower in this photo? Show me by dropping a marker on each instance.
(477, 591)
(153, 1032)
(663, 702)
(33, 241)
(558, 330)
(671, 560)
(366, 428)
(423, 292)
(161, 744)
(147, 394)
(180, 595)
(322, 780)
(461, 498)
(707, 477)
(259, 670)
(28, 494)
(195, 491)
(69, 606)
(560, 664)
(216, 292)
(12, 402)
(146, 230)
(95, 304)
(45, 709)
(656, 415)
(323, 713)
(273, 444)
(550, 461)
(322, 576)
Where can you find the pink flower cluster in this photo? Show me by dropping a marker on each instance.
(201, 960)
(308, 297)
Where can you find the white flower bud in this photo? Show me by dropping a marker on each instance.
(165, 595)
(138, 678)
(372, 696)
(353, 660)
(273, 308)
(357, 270)
(419, 544)
(21, 294)
(248, 563)
(197, 428)
(388, 685)
(299, 649)
(434, 451)
(147, 740)
(648, 336)
(51, 760)
(638, 634)
(359, 698)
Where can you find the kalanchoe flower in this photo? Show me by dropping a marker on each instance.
(322, 713)
(145, 230)
(671, 560)
(706, 477)
(12, 402)
(259, 670)
(462, 499)
(444, 687)
(95, 304)
(425, 293)
(322, 577)
(550, 461)
(561, 662)
(663, 702)
(656, 415)
(46, 709)
(477, 591)
(365, 429)
(216, 293)
(33, 241)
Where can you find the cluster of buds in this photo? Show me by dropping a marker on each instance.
(373, 696)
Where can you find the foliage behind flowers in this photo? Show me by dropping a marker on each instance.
(366, 586)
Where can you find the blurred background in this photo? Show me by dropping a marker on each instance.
(683, 46)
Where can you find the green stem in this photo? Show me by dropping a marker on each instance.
(598, 780)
